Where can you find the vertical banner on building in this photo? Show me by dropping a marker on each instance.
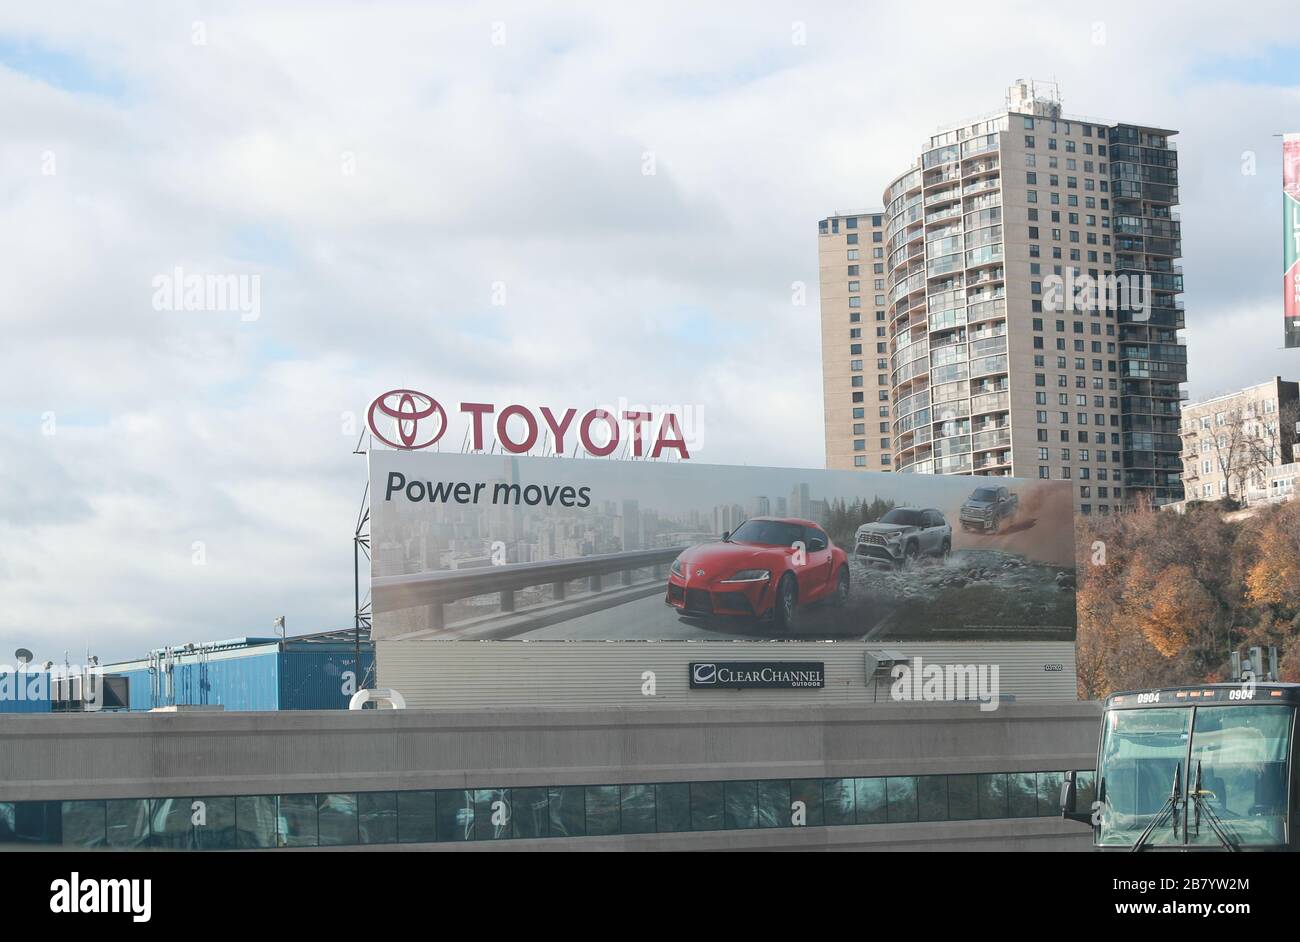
(1291, 238)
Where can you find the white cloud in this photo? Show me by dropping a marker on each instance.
(478, 163)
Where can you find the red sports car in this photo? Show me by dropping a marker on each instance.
(767, 567)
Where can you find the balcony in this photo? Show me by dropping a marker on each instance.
(994, 438)
(990, 402)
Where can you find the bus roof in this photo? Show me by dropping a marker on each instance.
(1238, 693)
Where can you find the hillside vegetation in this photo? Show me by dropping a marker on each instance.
(1164, 598)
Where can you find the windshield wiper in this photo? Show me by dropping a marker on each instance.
(1202, 806)
(1170, 807)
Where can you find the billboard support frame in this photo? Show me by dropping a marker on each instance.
(361, 609)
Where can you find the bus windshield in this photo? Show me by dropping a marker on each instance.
(1231, 767)
(1141, 752)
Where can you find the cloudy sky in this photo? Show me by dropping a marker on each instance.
(387, 171)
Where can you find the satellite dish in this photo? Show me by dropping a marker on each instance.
(23, 656)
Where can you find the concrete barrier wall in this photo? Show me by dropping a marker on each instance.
(70, 756)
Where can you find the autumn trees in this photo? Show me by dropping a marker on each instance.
(1164, 598)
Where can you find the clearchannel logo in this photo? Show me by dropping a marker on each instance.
(704, 674)
(769, 675)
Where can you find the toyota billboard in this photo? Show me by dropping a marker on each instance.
(473, 546)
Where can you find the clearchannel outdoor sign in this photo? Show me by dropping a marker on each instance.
(411, 421)
(757, 675)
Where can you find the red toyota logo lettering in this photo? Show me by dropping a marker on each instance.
(408, 409)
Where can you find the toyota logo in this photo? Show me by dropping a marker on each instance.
(705, 673)
(418, 420)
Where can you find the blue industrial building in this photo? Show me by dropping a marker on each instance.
(25, 691)
(307, 672)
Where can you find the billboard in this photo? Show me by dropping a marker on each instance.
(502, 547)
(1291, 238)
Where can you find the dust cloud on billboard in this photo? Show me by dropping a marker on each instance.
(491, 547)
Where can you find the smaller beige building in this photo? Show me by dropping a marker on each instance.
(855, 344)
(1233, 444)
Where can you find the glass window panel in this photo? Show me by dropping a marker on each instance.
(774, 804)
(1049, 793)
(706, 806)
(218, 830)
(417, 817)
(83, 824)
(455, 815)
(902, 798)
(255, 821)
(741, 804)
(993, 795)
(568, 812)
(870, 794)
(963, 797)
(673, 807)
(298, 821)
(637, 804)
(8, 822)
(932, 797)
(491, 814)
(171, 825)
(1022, 788)
(838, 800)
(39, 822)
(1085, 788)
(808, 791)
(128, 823)
(377, 817)
(337, 817)
(529, 812)
(602, 809)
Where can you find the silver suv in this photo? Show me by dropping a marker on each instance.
(901, 536)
